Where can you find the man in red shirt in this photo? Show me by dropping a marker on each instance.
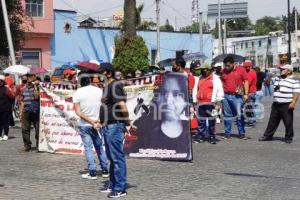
(236, 88)
(252, 79)
(209, 96)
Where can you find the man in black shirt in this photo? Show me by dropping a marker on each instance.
(114, 117)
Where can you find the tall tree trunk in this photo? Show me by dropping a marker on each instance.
(130, 18)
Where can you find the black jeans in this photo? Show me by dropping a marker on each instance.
(27, 120)
(280, 111)
(4, 122)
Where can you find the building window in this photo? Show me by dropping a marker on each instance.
(34, 8)
(253, 44)
(269, 42)
(31, 58)
(242, 45)
(246, 45)
(259, 43)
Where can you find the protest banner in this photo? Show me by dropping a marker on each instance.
(158, 106)
(58, 121)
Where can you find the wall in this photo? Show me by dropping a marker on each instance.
(42, 25)
(43, 45)
(98, 43)
(39, 32)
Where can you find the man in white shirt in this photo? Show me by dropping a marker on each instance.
(87, 102)
(286, 93)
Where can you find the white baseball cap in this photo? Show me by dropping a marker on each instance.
(2, 77)
(219, 64)
(287, 66)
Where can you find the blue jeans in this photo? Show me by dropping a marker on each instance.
(232, 108)
(258, 105)
(268, 90)
(114, 137)
(206, 123)
(90, 138)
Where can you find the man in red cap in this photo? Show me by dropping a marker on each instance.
(252, 80)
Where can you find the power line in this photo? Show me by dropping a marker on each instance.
(174, 9)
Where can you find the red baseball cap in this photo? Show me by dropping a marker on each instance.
(248, 63)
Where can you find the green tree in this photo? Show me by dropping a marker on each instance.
(285, 20)
(238, 24)
(16, 17)
(130, 18)
(131, 52)
(146, 25)
(268, 24)
(194, 28)
(167, 27)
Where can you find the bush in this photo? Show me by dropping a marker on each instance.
(131, 54)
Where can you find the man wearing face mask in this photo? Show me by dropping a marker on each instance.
(236, 89)
(209, 97)
(286, 92)
(29, 112)
(114, 117)
(218, 69)
(252, 79)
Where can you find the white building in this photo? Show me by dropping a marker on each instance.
(265, 51)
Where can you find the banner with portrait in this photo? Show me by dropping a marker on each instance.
(58, 120)
(158, 106)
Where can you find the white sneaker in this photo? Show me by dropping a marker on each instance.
(5, 137)
(88, 176)
(1, 138)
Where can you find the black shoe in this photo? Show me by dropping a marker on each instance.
(198, 139)
(226, 137)
(249, 126)
(212, 140)
(243, 137)
(117, 194)
(264, 138)
(288, 141)
(104, 173)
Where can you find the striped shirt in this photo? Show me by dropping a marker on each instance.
(31, 105)
(284, 89)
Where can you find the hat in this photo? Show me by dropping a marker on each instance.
(68, 72)
(205, 66)
(248, 63)
(106, 67)
(219, 64)
(287, 66)
(2, 77)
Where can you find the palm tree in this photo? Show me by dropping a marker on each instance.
(130, 18)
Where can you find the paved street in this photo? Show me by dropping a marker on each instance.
(234, 169)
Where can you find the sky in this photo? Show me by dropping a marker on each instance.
(171, 8)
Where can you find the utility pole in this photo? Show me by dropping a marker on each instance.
(8, 33)
(175, 24)
(157, 31)
(289, 33)
(220, 30)
(201, 33)
(225, 35)
(296, 32)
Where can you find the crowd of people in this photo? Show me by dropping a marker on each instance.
(225, 88)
